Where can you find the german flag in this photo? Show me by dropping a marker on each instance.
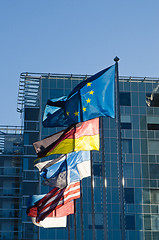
(79, 137)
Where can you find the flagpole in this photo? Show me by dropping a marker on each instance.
(68, 218)
(119, 152)
(40, 132)
(92, 198)
(81, 210)
(75, 227)
(104, 180)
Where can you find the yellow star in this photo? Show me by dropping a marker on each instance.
(84, 109)
(76, 113)
(89, 84)
(91, 92)
(67, 113)
(88, 100)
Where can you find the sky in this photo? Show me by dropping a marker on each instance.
(78, 37)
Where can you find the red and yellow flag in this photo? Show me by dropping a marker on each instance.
(79, 137)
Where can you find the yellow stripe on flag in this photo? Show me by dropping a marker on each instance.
(84, 143)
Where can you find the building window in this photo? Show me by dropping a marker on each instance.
(31, 114)
(30, 188)
(31, 126)
(126, 145)
(29, 150)
(155, 222)
(153, 126)
(25, 164)
(125, 125)
(98, 221)
(154, 171)
(153, 147)
(152, 122)
(130, 222)
(97, 170)
(125, 99)
(126, 122)
(128, 170)
(129, 195)
(154, 196)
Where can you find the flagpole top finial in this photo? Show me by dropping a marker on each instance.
(116, 59)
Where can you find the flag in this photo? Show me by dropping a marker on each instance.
(78, 137)
(64, 210)
(55, 199)
(54, 115)
(50, 222)
(90, 99)
(68, 168)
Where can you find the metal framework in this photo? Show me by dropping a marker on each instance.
(29, 85)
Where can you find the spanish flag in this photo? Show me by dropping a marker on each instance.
(78, 137)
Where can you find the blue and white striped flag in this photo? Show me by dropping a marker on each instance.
(66, 169)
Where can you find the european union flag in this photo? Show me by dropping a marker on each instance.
(54, 114)
(90, 99)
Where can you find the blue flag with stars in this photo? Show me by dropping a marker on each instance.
(90, 99)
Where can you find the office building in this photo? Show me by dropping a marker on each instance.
(11, 155)
(98, 213)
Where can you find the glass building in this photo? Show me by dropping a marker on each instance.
(98, 212)
(11, 156)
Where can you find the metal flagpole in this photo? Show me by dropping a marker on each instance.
(92, 198)
(75, 227)
(81, 210)
(68, 218)
(119, 152)
(104, 181)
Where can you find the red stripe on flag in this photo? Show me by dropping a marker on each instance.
(64, 210)
(88, 128)
(65, 191)
(61, 198)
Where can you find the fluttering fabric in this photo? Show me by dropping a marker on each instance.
(90, 99)
(67, 168)
(79, 137)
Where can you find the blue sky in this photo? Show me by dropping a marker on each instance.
(70, 36)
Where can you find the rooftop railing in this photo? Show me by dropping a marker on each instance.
(29, 85)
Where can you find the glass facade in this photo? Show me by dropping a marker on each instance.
(98, 214)
(11, 155)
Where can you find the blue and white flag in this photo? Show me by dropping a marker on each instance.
(90, 99)
(66, 169)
